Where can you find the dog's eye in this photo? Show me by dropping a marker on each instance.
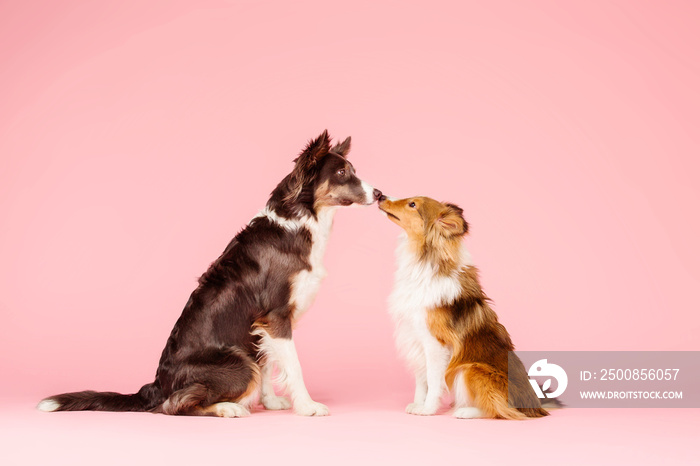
(412, 204)
(341, 172)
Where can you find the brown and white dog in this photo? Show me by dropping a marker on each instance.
(445, 327)
(238, 322)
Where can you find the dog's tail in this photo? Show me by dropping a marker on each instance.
(552, 403)
(146, 399)
(521, 395)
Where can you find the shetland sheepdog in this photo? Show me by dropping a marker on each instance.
(238, 321)
(445, 327)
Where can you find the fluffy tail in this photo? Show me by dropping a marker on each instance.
(146, 399)
(552, 403)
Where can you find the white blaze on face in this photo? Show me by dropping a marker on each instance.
(369, 192)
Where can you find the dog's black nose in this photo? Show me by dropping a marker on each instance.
(377, 194)
(382, 198)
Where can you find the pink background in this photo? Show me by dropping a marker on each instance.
(136, 138)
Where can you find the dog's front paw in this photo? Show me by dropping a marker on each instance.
(276, 403)
(411, 407)
(311, 408)
(420, 409)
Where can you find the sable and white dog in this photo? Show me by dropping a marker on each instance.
(445, 327)
(239, 320)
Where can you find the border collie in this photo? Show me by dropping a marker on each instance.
(238, 322)
(445, 327)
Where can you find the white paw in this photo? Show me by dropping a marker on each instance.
(420, 409)
(412, 407)
(226, 409)
(276, 402)
(311, 408)
(468, 413)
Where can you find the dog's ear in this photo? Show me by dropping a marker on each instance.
(451, 221)
(342, 148)
(305, 164)
(315, 150)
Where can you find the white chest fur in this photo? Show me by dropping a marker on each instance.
(305, 284)
(417, 286)
(417, 289)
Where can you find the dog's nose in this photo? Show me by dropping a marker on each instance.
(381, 198)
(377, 193)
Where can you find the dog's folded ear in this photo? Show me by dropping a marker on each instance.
(305, 164)
(451, 221)
(342, 148)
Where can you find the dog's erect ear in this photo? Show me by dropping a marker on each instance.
(342, 148)
(451, 221)
(315, 150)
(304, 166)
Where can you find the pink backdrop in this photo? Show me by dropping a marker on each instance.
(136, 138)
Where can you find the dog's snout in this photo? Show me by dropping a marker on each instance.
(377, 194)
(381, 197)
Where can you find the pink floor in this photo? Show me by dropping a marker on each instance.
(374, 432)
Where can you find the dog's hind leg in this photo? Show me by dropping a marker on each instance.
(224, 409)
(188, 401)
(463, 404)
(184, 400)
(489, 389)
(222, 383)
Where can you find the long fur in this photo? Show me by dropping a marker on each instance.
(445, 326)
(246, 303)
